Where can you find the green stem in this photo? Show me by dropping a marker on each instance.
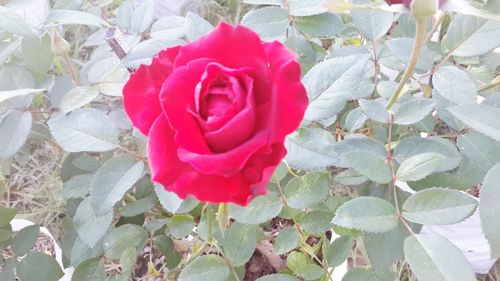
(210, 220)
(415, 52)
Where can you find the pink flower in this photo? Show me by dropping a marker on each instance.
(216, 112)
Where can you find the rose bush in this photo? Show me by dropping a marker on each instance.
(216, 112)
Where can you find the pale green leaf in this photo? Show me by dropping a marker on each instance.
(89, 225)
(24, 240)
(112, 180)
(85, 129)
(78, 97)
(143, 16)
(270, 22)
(489, 209)
(419, 166)
(304, 192)
(438, 206)
(432, 257)
(89, 270)
(121, 238)
(61, 17)
(239, 242)
(38, 266)
(288, 239)
(209, 267)
(413, 111)
(259, 210)
(482, 118)
(373, 24)
(196, 26)
(455, 85)
(14, 131)
(369, 165)
(369, 214)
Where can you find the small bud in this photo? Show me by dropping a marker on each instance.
(424, 8)
(58, 44)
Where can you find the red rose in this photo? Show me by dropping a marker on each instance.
(216, 112)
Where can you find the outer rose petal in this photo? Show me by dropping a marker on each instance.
(289, 98)
(231, 46)
(140, 94)
(182, 179)
(177, 99)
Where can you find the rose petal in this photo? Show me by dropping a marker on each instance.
(140, 93)
(182, 179)
(231, 46)
(177, 99)
(289, 97)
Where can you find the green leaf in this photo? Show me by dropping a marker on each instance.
(307, 7)
(277, 277)
(259, 210)
(311, 149)
(384, 249)
(482, 118)
(37, 54)
(25, 239)
(209, 267)
(169, 27)
(77, 186)
(488, 209)
(317, 222)
(180, 226)
(288, 239)
(143, 16)
(374, 110)
(373, 24)
(124, 17)
(396, 55)
(419, 166)
(8, 267)
(439, 206)
(350, 177)
(172, 203)
(369, 165)
(269, 22)
(432, 257)
(138, 207)
(61, 17)
(413, 111)
(469, 36)
(11, 22)
(89, 270)
(85, 129)
(325, 25)
(263, 2)
(239, 242)
(6, 215)
(309, 271)
(332, 82)
(78, 97)
(481, 150)
(369, 214)
(337, 252)
(355, 119)
(165, 245)
(112, 180)
(359, 274)
(455, 85)
(40, 267)
(306, 191)
(122, 238)
(5, 95)
(295, 259)
(14, 131)
(412, 146)
(144, 52)
(91, 226)
(196, 26)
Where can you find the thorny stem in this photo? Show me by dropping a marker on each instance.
(392, 184)
(415, 52)
(70, 68)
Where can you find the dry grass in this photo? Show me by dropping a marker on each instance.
(33, 186)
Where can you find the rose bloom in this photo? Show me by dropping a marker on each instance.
(216, 113)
